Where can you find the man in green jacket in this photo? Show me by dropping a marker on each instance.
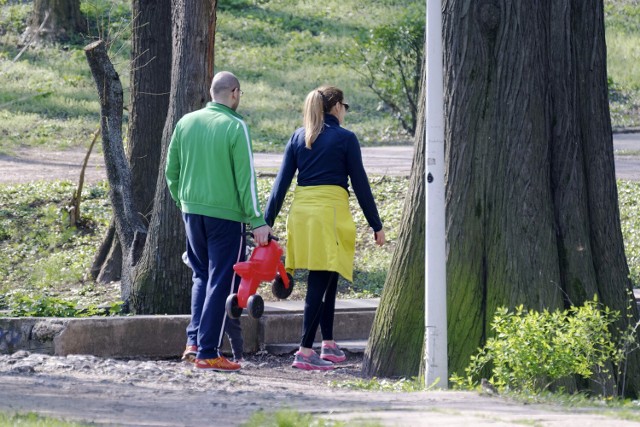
(211, 177)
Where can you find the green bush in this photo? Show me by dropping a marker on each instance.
(531, 350)
(389, 59)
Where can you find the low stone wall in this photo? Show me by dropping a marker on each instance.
(159, 336)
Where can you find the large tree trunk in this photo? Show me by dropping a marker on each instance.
(531, 198)
(55, 20)
(150, 85)
(396, 339)
(532, 209)
(162, 283)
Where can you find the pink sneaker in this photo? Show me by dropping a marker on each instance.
(311, 362)
(332, 354)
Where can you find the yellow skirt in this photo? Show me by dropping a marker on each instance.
(321, 234)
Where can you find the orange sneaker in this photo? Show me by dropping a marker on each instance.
(218, 364)
(190, 353)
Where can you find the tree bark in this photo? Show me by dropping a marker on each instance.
(531, 200)
(129, 227)
(162, 283)
(62, 19)
(150, 85)
(396, 338)
(107, 264)
(532, 209)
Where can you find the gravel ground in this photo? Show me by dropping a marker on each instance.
(172, 393)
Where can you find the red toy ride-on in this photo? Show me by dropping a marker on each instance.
(264, 265)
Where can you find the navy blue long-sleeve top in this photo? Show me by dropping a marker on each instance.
(333, 158)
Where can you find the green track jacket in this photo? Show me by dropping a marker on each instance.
(209, 167)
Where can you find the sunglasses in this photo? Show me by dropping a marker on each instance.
(346, 106)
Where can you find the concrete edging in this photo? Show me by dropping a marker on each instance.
(278, 331)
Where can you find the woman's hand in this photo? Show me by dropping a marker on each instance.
(378, 236)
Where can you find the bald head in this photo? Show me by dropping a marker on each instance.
(222, 83)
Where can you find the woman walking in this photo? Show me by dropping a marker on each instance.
(320, 229)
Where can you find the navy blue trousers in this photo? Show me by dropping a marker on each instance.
(214, 246)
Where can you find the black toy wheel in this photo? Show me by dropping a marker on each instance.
(255, 306)
(278, 289)
(233, 309)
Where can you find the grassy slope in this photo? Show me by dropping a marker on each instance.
(42, 256)
(623, 61)
(280, 49)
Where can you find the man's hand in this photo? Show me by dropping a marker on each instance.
(261, 235)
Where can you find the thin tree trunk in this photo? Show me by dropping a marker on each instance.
(162, 283)
(107, 263)
(131, 231)
(397, 335)
(150, 85)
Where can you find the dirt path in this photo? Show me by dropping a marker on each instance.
(170, 393)
(34, 164)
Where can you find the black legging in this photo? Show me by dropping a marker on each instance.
(319, 306)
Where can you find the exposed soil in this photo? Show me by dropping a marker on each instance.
(172, 393)
(33, 164)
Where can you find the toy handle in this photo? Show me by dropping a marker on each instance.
(270, 238)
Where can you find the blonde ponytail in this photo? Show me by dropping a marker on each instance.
(313, 117)
(319, 101)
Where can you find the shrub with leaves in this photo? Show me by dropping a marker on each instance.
(532, 350)
(389, 61)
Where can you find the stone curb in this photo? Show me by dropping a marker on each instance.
(277, 331)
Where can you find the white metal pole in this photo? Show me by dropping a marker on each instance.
(436, 372)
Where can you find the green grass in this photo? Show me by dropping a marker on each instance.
(42, 257)
(629, 201)
(280, 49)
(34, 420)
(610, 407)
(292, 418)
(622, 21)
(382, 384)
(45, 263)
